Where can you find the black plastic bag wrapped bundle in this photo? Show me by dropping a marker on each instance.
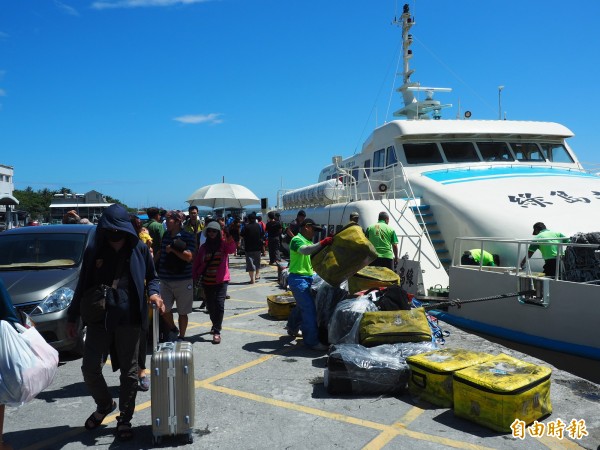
(343, 326)
(354, 369)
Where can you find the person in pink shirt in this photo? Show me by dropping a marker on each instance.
(211, 265)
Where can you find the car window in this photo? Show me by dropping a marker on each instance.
(48, 250)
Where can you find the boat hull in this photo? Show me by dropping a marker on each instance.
(559, 326)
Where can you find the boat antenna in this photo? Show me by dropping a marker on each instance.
(415, 109)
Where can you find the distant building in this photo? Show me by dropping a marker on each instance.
(89, 205)
(7, 200)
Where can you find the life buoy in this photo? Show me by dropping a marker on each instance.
(382, 187)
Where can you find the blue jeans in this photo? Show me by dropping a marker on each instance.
(304, 315)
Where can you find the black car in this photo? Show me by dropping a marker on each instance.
(40, 267)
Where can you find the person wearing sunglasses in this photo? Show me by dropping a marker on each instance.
(211, 267)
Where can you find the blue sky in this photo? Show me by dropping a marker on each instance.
(148, 100)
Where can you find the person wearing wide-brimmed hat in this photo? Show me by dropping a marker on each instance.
(211, 267)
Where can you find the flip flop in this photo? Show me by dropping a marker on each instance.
(93, 422)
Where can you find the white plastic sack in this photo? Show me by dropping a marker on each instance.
(28, 364)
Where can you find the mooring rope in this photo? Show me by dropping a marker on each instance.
(458, 302)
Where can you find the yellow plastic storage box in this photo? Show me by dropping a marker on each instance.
(280, 305)
(498, 391)
(431, 373)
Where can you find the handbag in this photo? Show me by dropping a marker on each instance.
(97, 299)
(28, 364)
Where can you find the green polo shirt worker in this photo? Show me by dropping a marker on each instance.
(548, 251)
(384, 239)
(474, 255)
(304, 316)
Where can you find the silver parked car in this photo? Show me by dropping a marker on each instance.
(40, 267)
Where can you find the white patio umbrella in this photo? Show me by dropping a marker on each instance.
(223, 195)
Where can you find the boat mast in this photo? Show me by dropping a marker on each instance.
(413, 108)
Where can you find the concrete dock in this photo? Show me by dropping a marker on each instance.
(261, 389)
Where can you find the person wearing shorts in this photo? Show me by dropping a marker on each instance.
(175, 273)
(254, 237)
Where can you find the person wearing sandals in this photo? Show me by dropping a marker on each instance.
(212, 266)
(118, 258)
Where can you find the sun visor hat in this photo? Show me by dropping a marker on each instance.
(313, 224)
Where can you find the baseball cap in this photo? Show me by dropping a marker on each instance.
(301, 213)
(313, 224)
(353, 215)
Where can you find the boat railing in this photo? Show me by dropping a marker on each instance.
(515, 250)
(388, 190)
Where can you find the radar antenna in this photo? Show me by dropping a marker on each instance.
(415, 109)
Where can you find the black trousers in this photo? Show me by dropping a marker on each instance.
(215, 303)
(550, 267)
(274, 254)
(98, 342)
(383, 262)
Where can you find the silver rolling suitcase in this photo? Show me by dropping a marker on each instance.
(172, 387)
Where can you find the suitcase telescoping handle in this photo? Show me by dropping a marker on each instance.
(155, 314)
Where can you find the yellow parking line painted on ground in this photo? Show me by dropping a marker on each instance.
(341, 418)
(242, 367)
(260, 333)
(255, 285)
(399, 428)
(254, 311)
(293, 406)
(554, 443)
(245, 301)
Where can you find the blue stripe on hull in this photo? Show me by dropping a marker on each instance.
(517, 336)
(474, 174)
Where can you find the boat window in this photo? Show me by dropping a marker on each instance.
(556, 153)
(367, 171)
(494, 151)
(391, 158)
(338, 228)
(460, 151)
(427, 153)
(379, 160)
(527, 151)
(355, 175)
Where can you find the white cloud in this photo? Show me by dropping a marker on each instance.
(66, 8)
(212, 118)
(114, 4)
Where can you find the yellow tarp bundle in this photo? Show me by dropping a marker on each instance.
(391, 327)
(372, 277)
(349, 252)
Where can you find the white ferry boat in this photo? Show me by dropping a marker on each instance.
(454, 185)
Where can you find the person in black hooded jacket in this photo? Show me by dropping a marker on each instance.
(117, 254)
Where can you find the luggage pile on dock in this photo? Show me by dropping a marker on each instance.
(383, 343)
